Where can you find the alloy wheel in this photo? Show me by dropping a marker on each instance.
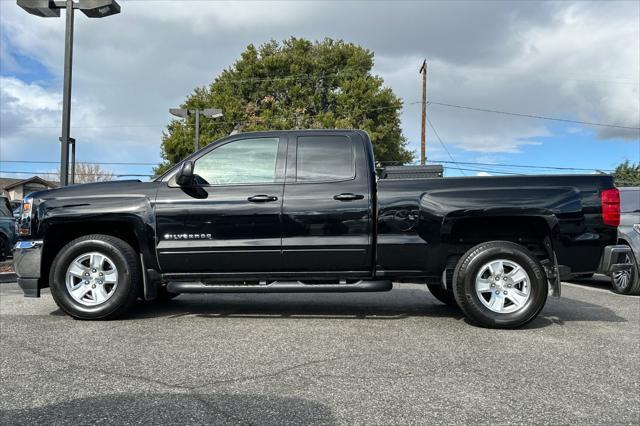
(91, 278)
(503, 286)
(622, 279)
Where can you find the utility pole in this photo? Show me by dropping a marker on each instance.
(423, 135)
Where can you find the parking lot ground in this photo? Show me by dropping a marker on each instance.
(381, 358)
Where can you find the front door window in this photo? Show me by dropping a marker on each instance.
(246, 161)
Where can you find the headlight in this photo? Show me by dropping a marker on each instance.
(636, 227)
(24, 222)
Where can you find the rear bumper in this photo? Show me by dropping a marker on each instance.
(27, 258)
(614, 259)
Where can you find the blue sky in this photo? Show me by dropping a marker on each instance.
(578, 61)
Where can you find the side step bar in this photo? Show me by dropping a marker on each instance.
(279, 287)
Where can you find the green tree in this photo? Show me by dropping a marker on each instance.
(293, 85)
(627, 174)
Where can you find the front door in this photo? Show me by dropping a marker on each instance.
(229, 219)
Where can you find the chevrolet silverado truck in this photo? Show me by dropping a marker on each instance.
(304, 211)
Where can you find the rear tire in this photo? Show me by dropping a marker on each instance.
(95, 277)
(627, 282)
(445, 296)
(500, 284)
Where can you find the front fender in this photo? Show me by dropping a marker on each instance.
(132, 210)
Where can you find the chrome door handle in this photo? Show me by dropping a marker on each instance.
(262, 198)
(347, 196)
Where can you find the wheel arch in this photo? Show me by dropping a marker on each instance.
(59, 234)
(538, 232)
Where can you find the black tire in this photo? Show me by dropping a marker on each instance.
(633, 280)
(126, 292)
(464, 286)
(443, 295)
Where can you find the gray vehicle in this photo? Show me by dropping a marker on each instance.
(7, 228)
(628, 282)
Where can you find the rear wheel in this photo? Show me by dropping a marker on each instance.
(500, 284)
(443, 295)
(627, 282)
(95, 277)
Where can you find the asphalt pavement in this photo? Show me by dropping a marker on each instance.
(378, 359)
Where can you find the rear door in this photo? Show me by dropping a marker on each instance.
(327, 208)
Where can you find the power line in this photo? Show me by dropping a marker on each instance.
(539, 117)
(442, 143)
(27, 172)
(525, 166)
(215, 123)
(81, 162)
(487, 171)
(449, 105)
(472, 163)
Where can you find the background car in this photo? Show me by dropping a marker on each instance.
(7, 228)
(628, 282)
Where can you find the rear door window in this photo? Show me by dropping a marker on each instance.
(325, 158)
(5, 208)
(630, 201)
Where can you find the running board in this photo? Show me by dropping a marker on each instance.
(279, 287)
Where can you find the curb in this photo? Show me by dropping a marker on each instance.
(8, 277)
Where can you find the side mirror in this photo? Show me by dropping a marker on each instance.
(185, 175)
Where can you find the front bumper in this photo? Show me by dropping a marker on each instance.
(27, 257)
(614, 259)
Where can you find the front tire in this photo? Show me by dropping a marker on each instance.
(500, 284)
(95, 277)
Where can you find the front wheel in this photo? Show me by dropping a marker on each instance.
(500, 284)
(627, 282)
(95, 277)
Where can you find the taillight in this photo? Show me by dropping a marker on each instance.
(611, 206)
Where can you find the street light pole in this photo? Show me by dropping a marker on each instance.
(66, 95)
(197, 147)
(207, 112)
(51, 9)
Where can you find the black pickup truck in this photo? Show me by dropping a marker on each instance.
(304, 211)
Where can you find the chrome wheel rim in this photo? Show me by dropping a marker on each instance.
(91, 278)
(503, 286)
(622, 279)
